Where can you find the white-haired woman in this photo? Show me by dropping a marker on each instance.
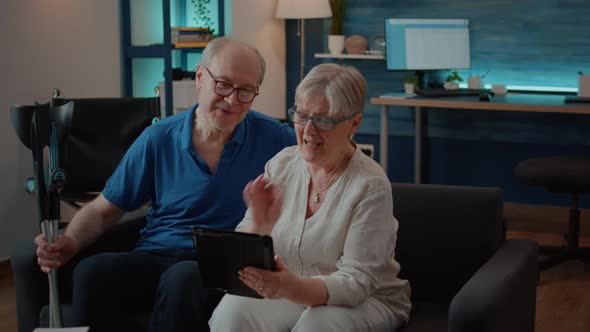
(328, 207)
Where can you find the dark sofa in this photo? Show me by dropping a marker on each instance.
(465, 275)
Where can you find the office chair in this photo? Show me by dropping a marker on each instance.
(560, 175)
(92, 139)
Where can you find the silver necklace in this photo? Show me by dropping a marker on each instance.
(316, 197)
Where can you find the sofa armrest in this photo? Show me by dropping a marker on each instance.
(501, 295)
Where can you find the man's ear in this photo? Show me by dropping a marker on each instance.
(199, 76)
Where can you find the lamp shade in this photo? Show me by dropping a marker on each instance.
(303, 9)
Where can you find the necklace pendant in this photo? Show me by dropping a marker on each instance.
(316, 198)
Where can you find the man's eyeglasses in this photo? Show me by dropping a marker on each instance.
(321, 122)
(225, 89)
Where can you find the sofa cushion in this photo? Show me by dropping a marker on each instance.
(427, 316)
(472, 223)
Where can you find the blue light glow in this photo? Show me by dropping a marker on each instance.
(530, 88)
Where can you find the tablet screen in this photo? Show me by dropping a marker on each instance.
(221, 254)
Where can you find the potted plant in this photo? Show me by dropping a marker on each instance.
(453, 80)
(411, 82)
(203, 16)
(336, 38)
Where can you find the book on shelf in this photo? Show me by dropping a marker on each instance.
(189, 39)
(190, 45)
(190, 29)
(190, 34)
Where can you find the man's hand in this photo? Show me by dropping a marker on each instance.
(264, 201)
(55, 254)
(270, 284)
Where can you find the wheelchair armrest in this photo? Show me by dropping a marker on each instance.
(501, 295)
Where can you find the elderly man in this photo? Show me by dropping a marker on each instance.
(191, 168)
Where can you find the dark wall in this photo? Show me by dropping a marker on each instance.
(526, 43)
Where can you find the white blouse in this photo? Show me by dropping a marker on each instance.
(349, 243)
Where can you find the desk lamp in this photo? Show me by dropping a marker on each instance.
(300, 10)
(37, 127)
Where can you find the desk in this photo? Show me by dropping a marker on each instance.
(544, 103)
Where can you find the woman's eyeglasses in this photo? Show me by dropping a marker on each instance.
(321, 122)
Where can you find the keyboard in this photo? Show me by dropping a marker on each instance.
(577, 99)
(451, 92)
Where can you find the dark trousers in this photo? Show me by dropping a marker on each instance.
(158, 290)
(108, 288)
(161, 289)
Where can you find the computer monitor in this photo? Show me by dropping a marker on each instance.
(427, 44)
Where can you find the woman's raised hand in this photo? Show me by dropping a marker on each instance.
(264, 201)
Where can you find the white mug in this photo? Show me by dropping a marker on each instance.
(475, 82)
(499, 89)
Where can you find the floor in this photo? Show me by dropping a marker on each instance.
(563, 298)
(7, 300)
(563, 294)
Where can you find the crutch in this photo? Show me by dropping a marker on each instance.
(47, 125)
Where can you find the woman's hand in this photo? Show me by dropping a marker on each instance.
(270, 284)
(264, 201)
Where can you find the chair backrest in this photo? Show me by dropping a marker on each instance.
(445, 234)
(102, 129)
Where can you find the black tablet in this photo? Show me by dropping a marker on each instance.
(221, 254)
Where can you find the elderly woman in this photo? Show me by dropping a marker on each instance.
(328, 208)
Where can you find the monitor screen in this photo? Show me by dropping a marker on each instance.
(427, 44)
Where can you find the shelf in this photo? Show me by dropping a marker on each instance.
(154, 51)
(196, 45)
(350, 56)
(160, 51)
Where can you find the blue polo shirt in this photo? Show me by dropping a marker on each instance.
(162, 167)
